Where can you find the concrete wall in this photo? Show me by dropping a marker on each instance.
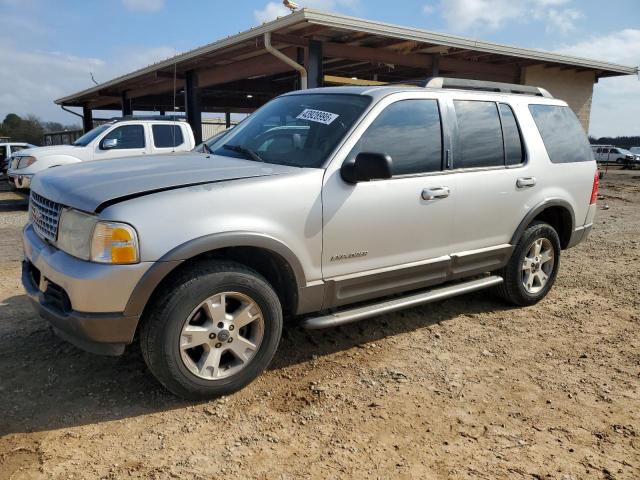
(575, 88)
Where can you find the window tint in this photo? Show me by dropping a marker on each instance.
(3, 153)
(513, 150)
(479, 135)
(128, 136)
(165, 136)
(562, 134)
(409, 132)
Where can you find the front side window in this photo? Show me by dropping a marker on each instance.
(479, 135)
(3, 152)
(409, 131)
(562, 134)
(300, 130)
(128, 136)
(167, 136)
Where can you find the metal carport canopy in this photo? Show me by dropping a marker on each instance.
(239, 74)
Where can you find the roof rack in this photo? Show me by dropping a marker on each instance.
(481, 85)
(167, 118)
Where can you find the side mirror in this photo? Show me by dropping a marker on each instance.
(109, 143)
(365, 167)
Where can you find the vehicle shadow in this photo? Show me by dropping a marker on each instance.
(46, 383)
(13, 201)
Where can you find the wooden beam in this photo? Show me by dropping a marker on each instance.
(264, 65)
(375, 55)
(335, 80)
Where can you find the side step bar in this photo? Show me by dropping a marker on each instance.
(360, 313)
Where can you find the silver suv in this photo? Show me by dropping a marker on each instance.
(327, 205)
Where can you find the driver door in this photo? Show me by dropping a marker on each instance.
(130, 141)
(387, 236)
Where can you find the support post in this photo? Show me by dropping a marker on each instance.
(314, 64)
(435, 66)
(126, 105)
(193, 105)
(227, 118)
(87, 118)
(162, 113)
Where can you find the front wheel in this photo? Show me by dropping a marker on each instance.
(533, 266)
(212, 331)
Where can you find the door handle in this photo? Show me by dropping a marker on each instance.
(524, 182)
(435, 192)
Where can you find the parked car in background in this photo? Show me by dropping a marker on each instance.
(331, 205)
(7, 150)
(609, 154)
(635, 150)
(123, 137)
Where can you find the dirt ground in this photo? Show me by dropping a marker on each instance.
(465, 388)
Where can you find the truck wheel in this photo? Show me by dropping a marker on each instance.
(533, 266)
(212, 330)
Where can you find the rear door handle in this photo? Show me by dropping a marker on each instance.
(524, 182)
(435, 192)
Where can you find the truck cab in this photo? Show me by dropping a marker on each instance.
(121, 137)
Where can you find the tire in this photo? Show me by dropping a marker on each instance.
(513, 289)
(178, 317)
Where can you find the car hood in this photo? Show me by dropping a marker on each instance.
(52, 150)
(91, 186)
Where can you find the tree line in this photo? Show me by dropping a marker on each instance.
(30, 129)
(620, 142)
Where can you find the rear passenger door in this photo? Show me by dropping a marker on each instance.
(491, 181)
(166, 138)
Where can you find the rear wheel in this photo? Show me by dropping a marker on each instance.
(532, 269)
(212, 331)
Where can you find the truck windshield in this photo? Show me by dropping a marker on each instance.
(297, 130)
(86, 139)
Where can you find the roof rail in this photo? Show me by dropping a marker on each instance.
(166, 118)
(481, 85)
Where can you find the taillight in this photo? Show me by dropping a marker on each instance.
(594, 189)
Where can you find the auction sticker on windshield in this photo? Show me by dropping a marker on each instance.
(317, 116)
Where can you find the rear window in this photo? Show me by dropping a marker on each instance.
(166, 136)
(480, 134)
(561, 133)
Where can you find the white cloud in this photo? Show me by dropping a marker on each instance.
(273, 10)
(462, 15)
(25, 90)
(143, 5)
(616, 101)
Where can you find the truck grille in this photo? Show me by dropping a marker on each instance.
(44, 214)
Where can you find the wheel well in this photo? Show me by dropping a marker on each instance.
(273, 267)
(560, 219)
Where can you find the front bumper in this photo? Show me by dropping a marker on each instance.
(20, 181)
(83, 301)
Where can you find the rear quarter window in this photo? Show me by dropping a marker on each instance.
(167, 136)
(561, 133)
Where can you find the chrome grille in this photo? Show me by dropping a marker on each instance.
(44, 214)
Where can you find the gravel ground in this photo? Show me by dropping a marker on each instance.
(465, 388)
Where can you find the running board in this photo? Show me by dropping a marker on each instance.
(359, 313)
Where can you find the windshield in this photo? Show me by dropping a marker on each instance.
(297, 130)
(86, 139)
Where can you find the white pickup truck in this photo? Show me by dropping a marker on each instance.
(125, 137)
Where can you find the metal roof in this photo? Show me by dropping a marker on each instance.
(347, 24)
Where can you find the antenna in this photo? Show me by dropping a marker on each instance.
(94, 80)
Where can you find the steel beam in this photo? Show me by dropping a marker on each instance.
(126, 105)
(314, 64)
(193, 104)
(87, 118)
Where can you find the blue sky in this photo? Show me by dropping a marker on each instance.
(50, 47)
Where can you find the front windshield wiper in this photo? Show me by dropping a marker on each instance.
(245, 151)
(206, 148)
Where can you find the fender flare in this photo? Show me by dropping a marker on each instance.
(197, 246)
(539, 208)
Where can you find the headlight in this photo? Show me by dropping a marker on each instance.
(87, 238)
(25, 162)
(114, 243)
